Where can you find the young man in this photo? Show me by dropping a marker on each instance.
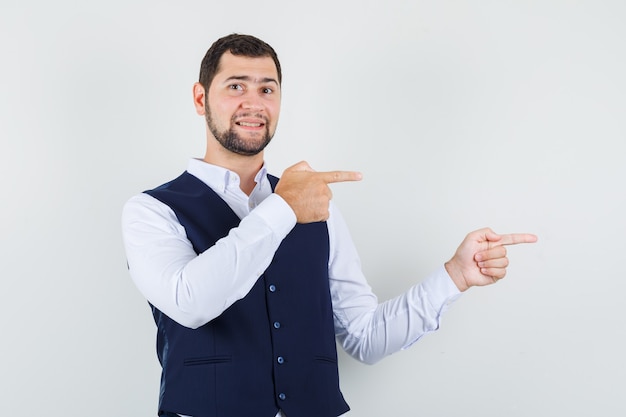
(251, 279)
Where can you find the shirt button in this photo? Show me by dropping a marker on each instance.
(282, 396)
(272, 288)
(277, 325)
(280, 360)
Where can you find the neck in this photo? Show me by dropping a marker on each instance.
(246, 167)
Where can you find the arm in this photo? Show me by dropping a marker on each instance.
(193, 289)
(369, 331)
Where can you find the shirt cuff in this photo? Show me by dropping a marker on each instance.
(277, 214)
(441, 290)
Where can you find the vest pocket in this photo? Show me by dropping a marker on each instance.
(208, 360)
(325, 359)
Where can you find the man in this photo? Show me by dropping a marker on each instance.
(251, 279)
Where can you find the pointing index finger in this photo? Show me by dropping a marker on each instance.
(339, 176)
(516, 238)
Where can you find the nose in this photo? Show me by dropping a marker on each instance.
(252, 102)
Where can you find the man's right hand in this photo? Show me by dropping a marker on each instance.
(307, 191)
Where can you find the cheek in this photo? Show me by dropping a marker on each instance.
(222, 110)
(274, 110)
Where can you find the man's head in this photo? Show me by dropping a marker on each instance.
(239, 93)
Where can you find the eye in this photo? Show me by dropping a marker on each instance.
(267, 90)
(237, 87)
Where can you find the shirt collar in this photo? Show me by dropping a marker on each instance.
(219, 178)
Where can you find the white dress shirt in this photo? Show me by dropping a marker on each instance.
(192, 289)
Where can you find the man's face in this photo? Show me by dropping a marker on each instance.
(243, 103)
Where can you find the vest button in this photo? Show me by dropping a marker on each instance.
(277, 325)
(280, 360)
(272, 288)
(282, 396)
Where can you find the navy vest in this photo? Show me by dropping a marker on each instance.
(274, 349)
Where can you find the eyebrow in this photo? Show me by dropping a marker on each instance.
(248, 78)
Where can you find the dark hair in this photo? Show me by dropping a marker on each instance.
(236, 44)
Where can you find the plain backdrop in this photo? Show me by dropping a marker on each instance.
(460, 114)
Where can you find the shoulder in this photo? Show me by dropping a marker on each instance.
(143, 209)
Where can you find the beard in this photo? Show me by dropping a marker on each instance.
(232, 141)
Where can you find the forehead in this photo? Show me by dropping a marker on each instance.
(259, 68)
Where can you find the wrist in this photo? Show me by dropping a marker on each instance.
(456, 274)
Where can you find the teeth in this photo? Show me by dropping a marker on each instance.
(249, 124)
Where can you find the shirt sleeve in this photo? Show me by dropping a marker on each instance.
(191, 288)
(369, 330)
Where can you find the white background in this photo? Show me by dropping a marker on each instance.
(508, 114)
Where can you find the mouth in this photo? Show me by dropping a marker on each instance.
(250, 124)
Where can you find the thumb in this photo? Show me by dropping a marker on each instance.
(486, 235)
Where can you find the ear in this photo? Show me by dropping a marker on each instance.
(199, 98)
